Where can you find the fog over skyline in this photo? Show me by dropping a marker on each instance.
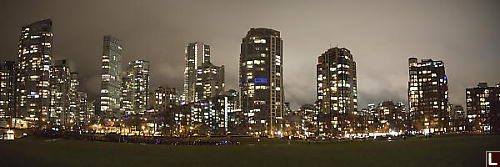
(381, 36)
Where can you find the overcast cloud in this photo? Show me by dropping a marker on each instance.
(381, 35)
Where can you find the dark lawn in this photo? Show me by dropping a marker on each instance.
(435, 151)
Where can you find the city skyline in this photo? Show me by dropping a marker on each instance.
(436, 38)
(250, 83)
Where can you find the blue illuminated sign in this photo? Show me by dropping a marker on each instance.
(260, 80)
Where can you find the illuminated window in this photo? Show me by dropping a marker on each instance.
(259, 41)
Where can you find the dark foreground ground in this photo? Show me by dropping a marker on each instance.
(435, 151)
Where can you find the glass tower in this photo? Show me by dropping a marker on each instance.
(111, 77)
(197, 54)
(135, 93)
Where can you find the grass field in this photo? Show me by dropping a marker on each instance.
(435, 151)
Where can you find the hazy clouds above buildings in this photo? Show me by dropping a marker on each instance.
(381, 36)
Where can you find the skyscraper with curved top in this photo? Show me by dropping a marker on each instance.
(261, 81)
(337, 91)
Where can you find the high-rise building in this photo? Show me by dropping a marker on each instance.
(74, 100)
(216, 115)
(90, 112)
(287, 109)
(483, 108)
(126, 99)
(85, 113)
(209, 81)
(458, 118)
(135, 93)
(391, 117)
(7, 91)
(203, 83)
(60, 85)
(234, 120)
(164, 98)
(111, 77)
(337, 90)
(197, 54)
(370, 118)
(182, 120)
(261, 81)
(223, 111)
(33, 77)
(208, 88)
(310, 119)
(428, 96)
(293, 121)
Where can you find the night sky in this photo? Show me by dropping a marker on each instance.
(381, 35)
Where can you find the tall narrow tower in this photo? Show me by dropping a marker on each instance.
(261, 80)
(60, 83)
(197, 54)
(111, 77)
